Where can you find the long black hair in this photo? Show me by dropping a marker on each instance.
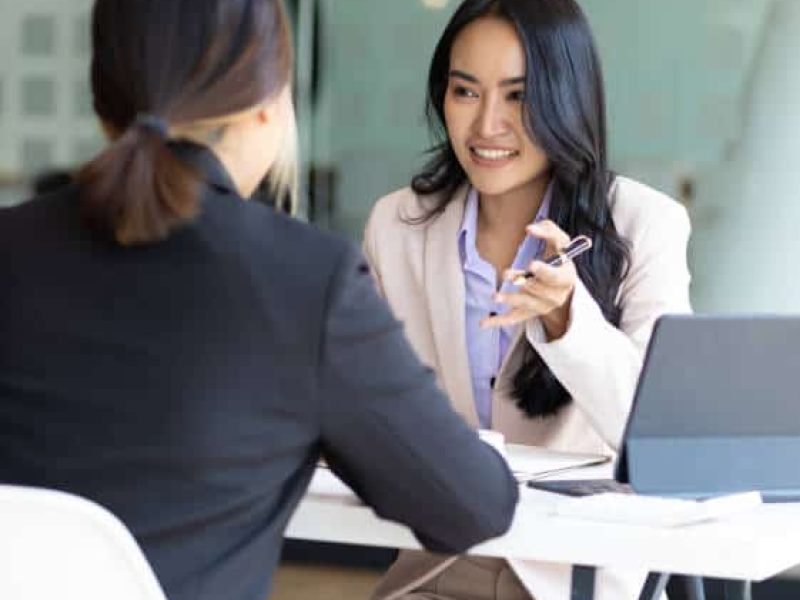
(565, 114)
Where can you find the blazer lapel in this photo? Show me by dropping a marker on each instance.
(446, 298)
(511, 360)
(506, 417)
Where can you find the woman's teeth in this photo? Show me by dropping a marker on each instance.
(494, 154)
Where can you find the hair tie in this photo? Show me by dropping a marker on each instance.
(153, 123)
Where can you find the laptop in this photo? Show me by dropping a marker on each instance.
(716, 411)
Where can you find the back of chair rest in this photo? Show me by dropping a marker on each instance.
(59, 546)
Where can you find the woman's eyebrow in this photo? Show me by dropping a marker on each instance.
(512, 81)
(463, 75)
(472, 79)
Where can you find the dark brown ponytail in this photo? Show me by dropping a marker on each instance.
(137, 190)
(162, 62)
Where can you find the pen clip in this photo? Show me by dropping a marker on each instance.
(525, 477)
(575, 248)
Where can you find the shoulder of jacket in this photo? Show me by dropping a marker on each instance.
(637, 206)
(398, 207)
(407, 208)
(284, 238)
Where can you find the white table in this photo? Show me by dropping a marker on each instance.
(752, 546)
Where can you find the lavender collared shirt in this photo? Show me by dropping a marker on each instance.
(487, 348)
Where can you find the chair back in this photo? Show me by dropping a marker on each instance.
(57, 546)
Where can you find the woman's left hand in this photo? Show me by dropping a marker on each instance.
(548, 295)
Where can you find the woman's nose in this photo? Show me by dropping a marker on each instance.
(491, 119)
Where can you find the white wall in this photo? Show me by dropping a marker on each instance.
(746, 249)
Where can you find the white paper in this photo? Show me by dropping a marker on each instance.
(529, 462)
(653, 511)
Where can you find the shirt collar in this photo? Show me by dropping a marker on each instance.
(469, 229)
(207, 163)
(467, 237)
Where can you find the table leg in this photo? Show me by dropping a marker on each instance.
(655, 585)
(583, 579)
(738, 590)
(695, 588)
(583, 586)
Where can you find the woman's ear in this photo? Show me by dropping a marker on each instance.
(264, 115)
(276, 109)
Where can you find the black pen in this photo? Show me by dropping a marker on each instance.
(574, 249)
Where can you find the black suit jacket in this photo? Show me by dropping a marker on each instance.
(190, 387)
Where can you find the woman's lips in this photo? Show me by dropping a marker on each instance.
(492, 157)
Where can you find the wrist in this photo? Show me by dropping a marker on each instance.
(556, 322)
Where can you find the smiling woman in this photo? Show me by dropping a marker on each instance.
(517, 105)
(482, 106)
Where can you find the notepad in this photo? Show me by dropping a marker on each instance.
(654, 511)
(529, 462)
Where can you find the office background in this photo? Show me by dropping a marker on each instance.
(704, 103)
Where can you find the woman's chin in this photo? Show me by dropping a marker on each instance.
(501, 184)
(493, 188)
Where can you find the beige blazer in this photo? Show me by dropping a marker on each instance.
(418, 270)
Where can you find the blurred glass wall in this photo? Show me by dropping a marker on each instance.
(46, 119)
(747, 210)
(703, 104)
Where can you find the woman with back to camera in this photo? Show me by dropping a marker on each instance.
(182, 356)
(516, 100)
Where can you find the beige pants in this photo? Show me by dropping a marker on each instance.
(472, 579)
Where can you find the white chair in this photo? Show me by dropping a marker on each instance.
(56, 546)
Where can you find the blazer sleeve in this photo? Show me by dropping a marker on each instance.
(598, 364)
(370, 248)
(391, 435)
